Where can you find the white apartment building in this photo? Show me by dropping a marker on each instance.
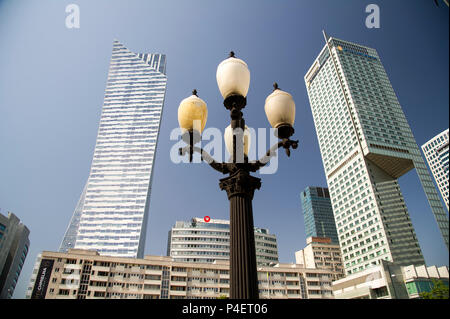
(83, 274)
(436, 154)
(321, 253)
(366, 145)
(200, 241)
(112, 213)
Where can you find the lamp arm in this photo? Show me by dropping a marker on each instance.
(206, 157)
(285, 143)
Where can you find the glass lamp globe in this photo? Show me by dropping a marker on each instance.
(192, 114)
(233, 77)
(280, 108)
(228, 137)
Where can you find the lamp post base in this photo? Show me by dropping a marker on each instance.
(240, 187)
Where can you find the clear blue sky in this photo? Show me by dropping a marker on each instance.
(52, 82)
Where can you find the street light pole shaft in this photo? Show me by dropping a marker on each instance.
(240, 187)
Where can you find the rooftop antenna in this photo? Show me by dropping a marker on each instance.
(325, 36)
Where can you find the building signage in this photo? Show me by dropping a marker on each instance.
(42, 279)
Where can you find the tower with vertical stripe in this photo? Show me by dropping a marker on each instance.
(111, 216)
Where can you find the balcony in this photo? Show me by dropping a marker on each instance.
(278, 295)
(66, 296)
(97, 288)
(134, 279)
(178, 283)
(313, 284)
(101, 268)
(179, 273)
(292, 284)
(72, 266)
(153, 272)
(194, 293)
(152, 282)
(119, 268)
(196, 273)
(133, 289)
(294, 295)
(70, 276)
(314, 296)
(177, 293)
(118, 278)
(99, 278)
(154, 290)
(69, 286)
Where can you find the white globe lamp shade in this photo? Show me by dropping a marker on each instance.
(233, 77)
(280, 108)
(192, 114)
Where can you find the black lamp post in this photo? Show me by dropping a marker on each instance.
(233, 78)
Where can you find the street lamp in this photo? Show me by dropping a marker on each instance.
(233, 79)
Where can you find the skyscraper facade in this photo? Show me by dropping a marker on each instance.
(111, 216)
(318, 213)
(200, 241)
(366, 145)
(436, 154)
(14, 245)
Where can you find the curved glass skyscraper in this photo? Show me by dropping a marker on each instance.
(111, 216)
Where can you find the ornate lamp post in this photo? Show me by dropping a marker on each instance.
(233, 79)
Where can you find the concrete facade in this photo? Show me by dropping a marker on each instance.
(82, 274)
(14, 245)
(366, 144)
(321, 253)
(437, 156)
(389, 281)
(200, 241)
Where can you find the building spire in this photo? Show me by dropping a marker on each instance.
(325, 36)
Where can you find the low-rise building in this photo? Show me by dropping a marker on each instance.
(389, 281)
(420, 279)
(321, 253)
(84, 274)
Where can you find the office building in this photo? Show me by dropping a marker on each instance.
(200, 241)
(321, 253)
(83, 274)
(318, 213)
(111, 215)
(366, 145)
(14, 245)
(436, 154)
(389, 281)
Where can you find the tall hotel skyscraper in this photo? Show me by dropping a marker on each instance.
(366, 145)
(111, 215)
(436, 153)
